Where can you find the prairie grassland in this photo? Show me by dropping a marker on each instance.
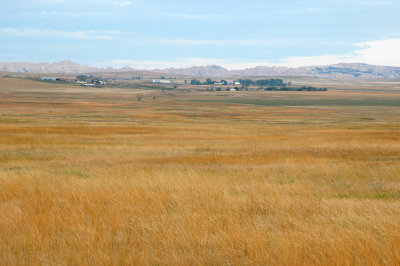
(97, 178)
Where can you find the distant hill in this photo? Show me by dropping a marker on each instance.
(337, 71)
(58, 67)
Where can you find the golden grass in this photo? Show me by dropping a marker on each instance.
(114, 181)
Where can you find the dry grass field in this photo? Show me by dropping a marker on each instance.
(95, 177)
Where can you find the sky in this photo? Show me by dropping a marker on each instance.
(181, 33)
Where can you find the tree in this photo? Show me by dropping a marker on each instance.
(195, 82)
(209, 82)
(246, 82)
(81, 77)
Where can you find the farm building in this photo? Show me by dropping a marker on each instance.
(48, 78)
(161, 81)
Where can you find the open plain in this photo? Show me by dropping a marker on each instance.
(92, 176)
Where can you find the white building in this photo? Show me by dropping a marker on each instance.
(48, 78)
(162, 81)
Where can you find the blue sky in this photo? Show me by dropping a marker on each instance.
(235, 34)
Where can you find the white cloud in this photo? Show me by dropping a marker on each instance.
(69, 13)
(303, 10)
(196, 16)
(380, 52)
(130, 37)
(364, 2)
(59, 34)
(377, 52)
(192, 42)
(125, 3)
(189, 42)
(183, 62)
(112, 2)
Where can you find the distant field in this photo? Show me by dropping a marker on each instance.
(343, 101)
(95, 177)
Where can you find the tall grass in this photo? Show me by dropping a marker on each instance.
(146, 183)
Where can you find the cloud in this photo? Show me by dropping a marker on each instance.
(182, 62)
(189, 42)
(365, 2)
(303, 10)
(59, 34)
(124, 4)
(196, 16)
(379, 52)
(121, 3)
(130, 37)
(69, 13)
(193, 42)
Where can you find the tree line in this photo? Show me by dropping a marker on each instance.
(263, 82)
(244, 82)
(303, 88)
(243, 88)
